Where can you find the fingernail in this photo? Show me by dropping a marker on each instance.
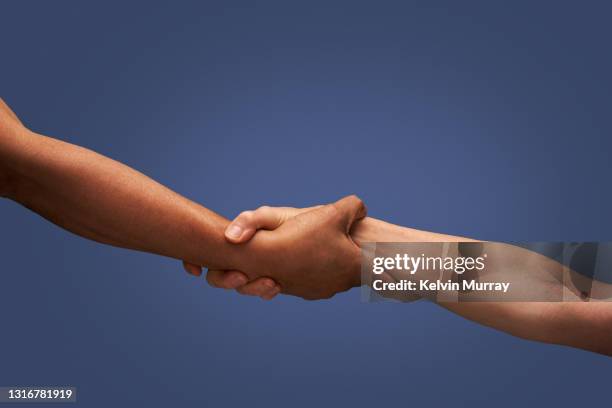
(270, 284)
(234, 231)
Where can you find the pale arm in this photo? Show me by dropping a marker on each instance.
(577, 324)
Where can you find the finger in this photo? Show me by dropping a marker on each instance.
(226, 279)
(246, 224)
(192, 269)
(272, 294)
(350, 209)
(259, 287)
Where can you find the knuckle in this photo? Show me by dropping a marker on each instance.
(332, 210)
(357, 201)
(210, 280)
(327, 294)
(246, 216)
(257, 291)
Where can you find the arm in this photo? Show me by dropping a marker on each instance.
(106, 201)
(576, 324)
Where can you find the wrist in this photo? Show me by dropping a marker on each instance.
(209, 247)
(374, 230)
(256, 256)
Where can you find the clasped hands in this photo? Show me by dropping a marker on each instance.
(307, 252)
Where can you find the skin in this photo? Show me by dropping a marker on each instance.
(312, 253)
(105, 201)
(575, 323)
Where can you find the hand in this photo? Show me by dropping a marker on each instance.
(317, 276)
(247, 223)
(239, 231)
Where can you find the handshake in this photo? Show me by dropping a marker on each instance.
(312, 253)
(305, 252)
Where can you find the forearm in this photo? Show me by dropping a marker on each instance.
(576, 324)
(374, 230)
(581, 325)
(106, 201)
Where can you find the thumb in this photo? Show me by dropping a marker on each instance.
(350, 209)
(246, 224)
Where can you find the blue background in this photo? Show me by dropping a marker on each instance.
(484, 119)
